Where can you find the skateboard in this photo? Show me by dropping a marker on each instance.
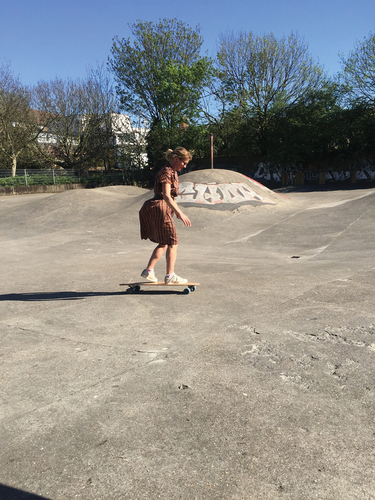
(136, 287)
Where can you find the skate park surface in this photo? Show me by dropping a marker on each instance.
(260, 385)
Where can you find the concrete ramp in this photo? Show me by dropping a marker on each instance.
(79, 209)
(259, 385)
(223, 190)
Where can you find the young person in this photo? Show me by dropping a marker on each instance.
(156, 216)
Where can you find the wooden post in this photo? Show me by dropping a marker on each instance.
(212, 149)
(300, 178)
(284, 178)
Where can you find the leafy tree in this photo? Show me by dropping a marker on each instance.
(161, 76)
(359, 72)
(358, 79)
(18, 127)
(262, 76)
(308, 133)
(356, 140)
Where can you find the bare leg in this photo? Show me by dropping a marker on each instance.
(156, 254)
(171, 256)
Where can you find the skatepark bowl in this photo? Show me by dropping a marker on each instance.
(257, 386)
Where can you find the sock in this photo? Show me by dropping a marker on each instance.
(169, 276)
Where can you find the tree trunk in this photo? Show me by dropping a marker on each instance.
(14, 165)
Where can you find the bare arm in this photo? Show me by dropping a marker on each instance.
(173, 205)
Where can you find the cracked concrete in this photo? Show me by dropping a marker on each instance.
(257, 386)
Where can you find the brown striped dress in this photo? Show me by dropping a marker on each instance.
(155, 216)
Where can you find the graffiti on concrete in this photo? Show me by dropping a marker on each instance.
(214, 193)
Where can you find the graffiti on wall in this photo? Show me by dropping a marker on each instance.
(214, 193)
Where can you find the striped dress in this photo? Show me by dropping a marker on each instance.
(155, 216)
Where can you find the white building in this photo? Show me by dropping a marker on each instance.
(127, 138)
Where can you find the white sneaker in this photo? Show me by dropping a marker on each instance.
(175, 279)
(149, 275)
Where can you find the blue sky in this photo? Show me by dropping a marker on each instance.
(46, 38)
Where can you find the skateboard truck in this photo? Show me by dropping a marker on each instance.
(136, 287)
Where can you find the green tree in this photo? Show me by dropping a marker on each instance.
(18, 126)
(262, 76)
(356, 140)
(161, 76)
(307, 135)
(358, 73)
(358, 79)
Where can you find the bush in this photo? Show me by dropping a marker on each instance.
(19, 180)
(39, 179)
(137, 177)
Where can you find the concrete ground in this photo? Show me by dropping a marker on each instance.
(260, 385)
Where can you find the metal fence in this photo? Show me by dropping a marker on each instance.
(94, 178)
(46, 177)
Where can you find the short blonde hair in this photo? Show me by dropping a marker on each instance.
(180, 152)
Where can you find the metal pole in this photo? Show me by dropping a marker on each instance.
(212, 149)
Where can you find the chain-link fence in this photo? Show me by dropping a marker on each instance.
(47, 177)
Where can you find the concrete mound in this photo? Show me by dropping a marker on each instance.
(223, 190)
(107, 207)
(76, 209)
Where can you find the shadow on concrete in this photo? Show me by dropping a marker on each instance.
(308, 188)
(46, 296)
(8, 493)
(157, 292)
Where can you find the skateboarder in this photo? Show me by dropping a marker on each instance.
(156, 216)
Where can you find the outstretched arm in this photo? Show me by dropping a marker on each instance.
(173, 205)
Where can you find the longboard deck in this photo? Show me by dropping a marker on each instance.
(151, 283)
(135, 287)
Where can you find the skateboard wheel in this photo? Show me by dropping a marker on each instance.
(186, 291)
(129, 290)
(192, 288)
(136, 288)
